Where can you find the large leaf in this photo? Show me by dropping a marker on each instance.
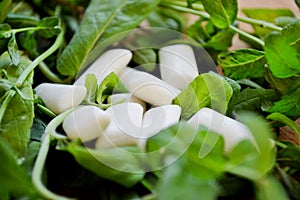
(4, 7)
(243, 63)
(119, 165)
(206, 90)
(18, 117)
(283, 59)
(12, 174)
(102, 19)
(222, 12)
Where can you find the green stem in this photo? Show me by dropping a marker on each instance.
(51, 128)
(46, 111)
(184, 9)
(9, 95)
(39, 59)
(38, 171)
(260, 23)
(285, 120)
(52, 76)
(206, 16)
(247, 35)
(41, 159)
(247, 20)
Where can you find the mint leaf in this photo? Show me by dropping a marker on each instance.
(252, 99)
(291, 34)
(221, 41)
(222, 12)
(289, 104)
(207, 90)
(106, 18)
(283, 59)
(243, 63)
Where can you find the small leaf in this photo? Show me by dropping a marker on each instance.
(167, 18)
(243, 63)
(5, 31)
(91, 87)
(146, 58)
(14, 51)
(197, 32)
(29, 43)
(221, 41)
(207, 90)
(4, 7)
(283, 59)
(222, 12)
(49, 27)
(110, 84)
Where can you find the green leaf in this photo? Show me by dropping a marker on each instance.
(285, 120)
(5, 31)
(107, 18)
(12, 173)
(29, 43)
(122, 166)
(167, 18)
(146, 58)
(251, 99)
(280, 84)
(4, 7)
(18, 117)
(291, 34)
(13, 50)
(221, 41)
(283, 59)
(289, 156)
(222, 12)
(189, 181)
(49, 27)
(91, 87)
(265, 14)
(207, 90)
(197, 32)
(262, 133)
(270, 188)
(110, 84)
(289, 104)
(243, 63)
